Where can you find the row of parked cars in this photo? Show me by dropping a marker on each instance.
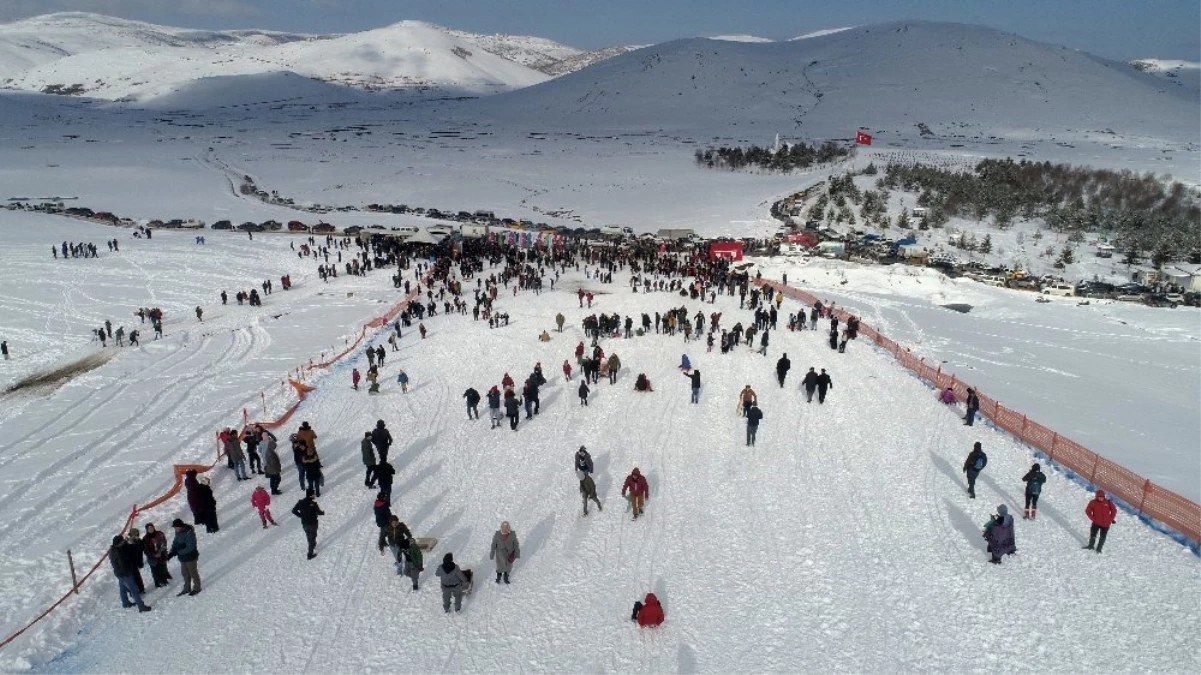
(1133, 292)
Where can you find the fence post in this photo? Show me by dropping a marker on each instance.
(1093, 478)
(74, 578)
(1143, 500)
(1054, 438)
(1023, 427)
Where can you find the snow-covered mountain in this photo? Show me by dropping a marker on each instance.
(908, 79)
(538, 53)
(112, 58)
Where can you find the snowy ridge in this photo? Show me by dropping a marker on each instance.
(115, 59)
(961, 82)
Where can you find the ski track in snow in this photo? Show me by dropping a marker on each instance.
(843, 542)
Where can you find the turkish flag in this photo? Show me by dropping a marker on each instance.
(862, 138)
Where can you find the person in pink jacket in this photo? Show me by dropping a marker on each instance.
(261, 500)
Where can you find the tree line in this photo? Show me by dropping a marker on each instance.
(787, 158)
(1138, 212)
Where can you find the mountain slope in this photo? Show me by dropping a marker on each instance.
(117, 59)
(955, 79)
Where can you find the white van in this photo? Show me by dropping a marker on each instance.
(617, 231)
(473, 231)
(993, 281)
(1060, 288)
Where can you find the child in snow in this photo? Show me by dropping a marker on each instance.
(648, 612)
(261, 500)
(402, 378)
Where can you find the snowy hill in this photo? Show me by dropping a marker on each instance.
(538, 53)
(1185, 74)
(958, 81)
(110, 58)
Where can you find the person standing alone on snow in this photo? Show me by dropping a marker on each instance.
(505, 550)
(1034, 480)
(1102, 512)
(999, 534)
(261, 501)
(973, 405)
(782, 367)
(972, 466)
(695, 376)
(453, 583)
(473, 402)
(638, 489)
(307, 510)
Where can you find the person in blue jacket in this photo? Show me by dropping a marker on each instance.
(999, 534)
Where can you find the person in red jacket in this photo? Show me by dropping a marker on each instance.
(354, 378)
(1102, 512)
(506, 382)
(649, 612)
(567, 369)
(638, 489)
(579, 353)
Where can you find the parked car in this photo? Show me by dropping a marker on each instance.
(323, 228)
(249, 226)
(297, 226)
(1060, 288)
(223, 225)
(353, 229)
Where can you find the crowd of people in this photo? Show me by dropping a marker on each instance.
(443, 285)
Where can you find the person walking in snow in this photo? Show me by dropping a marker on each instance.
(972, 466)
(763, 342)
(810, 384)
(614, 366)
(354, 379)
(973, 405)
(453, 583)
(695, 377)
(560, 320)
(512, 409)
(381, 438)
(567, 369)
(473, 402)
(308, 511)
(395, 535)
(1034, 480)
(494, 413)
(746, 398)
(414, 561)
(824, 383)
(1101, 511)
(999, 534)
(402, 378)
(154, 543)
(384, 473)
(367, 450)
(583, 464)
(782, 367)
(308, 436)
(124, 571)
(183, 546)
(260, 499)
(588, 492)
(584, 391)
(753, 417)
(135, 555)
(505, 551)
(639, 491)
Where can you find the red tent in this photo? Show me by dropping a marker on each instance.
(725, 250)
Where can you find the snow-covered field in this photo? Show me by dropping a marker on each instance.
(1120, 378)
(843, 542)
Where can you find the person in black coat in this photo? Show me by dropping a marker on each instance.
(202, 502)
(308, 511)
(810, 384)
(382, 438)
(753, 417)
(823, 383)
(584, 391)
(473, 402)
(972, 466)
(973, 404)
(135, 556)
(384, 473)
(695, 376)
(1034, 480)
(833, 338)
(513, 410)
(130, 595)
(782, 367)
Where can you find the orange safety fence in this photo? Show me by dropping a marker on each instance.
(1157, 504)
(300, 389)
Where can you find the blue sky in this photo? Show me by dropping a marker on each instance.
(1120, 29)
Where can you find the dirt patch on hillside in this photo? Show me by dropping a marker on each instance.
(46, 381)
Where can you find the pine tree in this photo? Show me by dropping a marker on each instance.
(986, 245)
